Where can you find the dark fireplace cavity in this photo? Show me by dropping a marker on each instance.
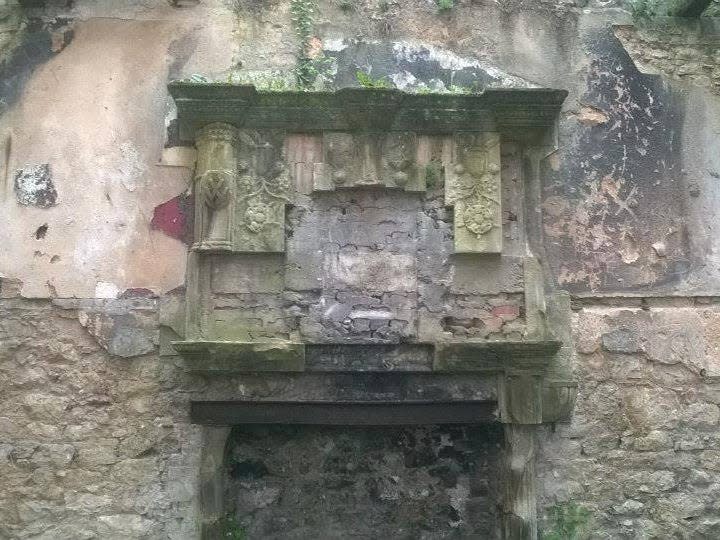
(400, 482)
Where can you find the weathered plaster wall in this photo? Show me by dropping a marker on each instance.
(95, 440)
(89, 125)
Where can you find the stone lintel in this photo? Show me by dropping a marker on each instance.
(342, 413)
(494, 356)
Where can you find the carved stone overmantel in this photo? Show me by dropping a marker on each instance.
(260, 283)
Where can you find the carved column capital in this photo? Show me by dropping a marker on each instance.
(218, 132)
(215, 187)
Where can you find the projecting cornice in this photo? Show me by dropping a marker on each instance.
(371, 109)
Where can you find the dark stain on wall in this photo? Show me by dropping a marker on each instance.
(40, 41)
(615, 187)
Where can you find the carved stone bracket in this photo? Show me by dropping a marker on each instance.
(368, 160)
(472, 187)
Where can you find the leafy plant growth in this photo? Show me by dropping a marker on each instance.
(367, 81)
(311, 63)
(569, 522)
(231, 529)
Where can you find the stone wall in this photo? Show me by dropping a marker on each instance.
(97, 445)
(93, 445)
(641, 453)
(95, 437)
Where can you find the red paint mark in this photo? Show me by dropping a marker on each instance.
(506, 313)
(174, 218)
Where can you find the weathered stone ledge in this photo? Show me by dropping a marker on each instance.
(222, 357)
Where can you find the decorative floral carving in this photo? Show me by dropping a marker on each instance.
(256, 215)
(475, 188)
(261, 200)
(472, 186)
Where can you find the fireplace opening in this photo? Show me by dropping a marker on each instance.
(401, 482)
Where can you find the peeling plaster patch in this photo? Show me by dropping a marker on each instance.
(104, 289)
(591, 116)
(619, 177)
(34, 186)
(413, 65)
(414, 53)
(174, 218)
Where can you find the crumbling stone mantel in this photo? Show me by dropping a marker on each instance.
(365, 139)
(262, 156)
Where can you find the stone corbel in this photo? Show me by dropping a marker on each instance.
(472, 187)
(388, 160)
(215, 187)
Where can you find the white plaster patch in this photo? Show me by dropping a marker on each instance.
(105, 289)
(413, 52)
(335, 44)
